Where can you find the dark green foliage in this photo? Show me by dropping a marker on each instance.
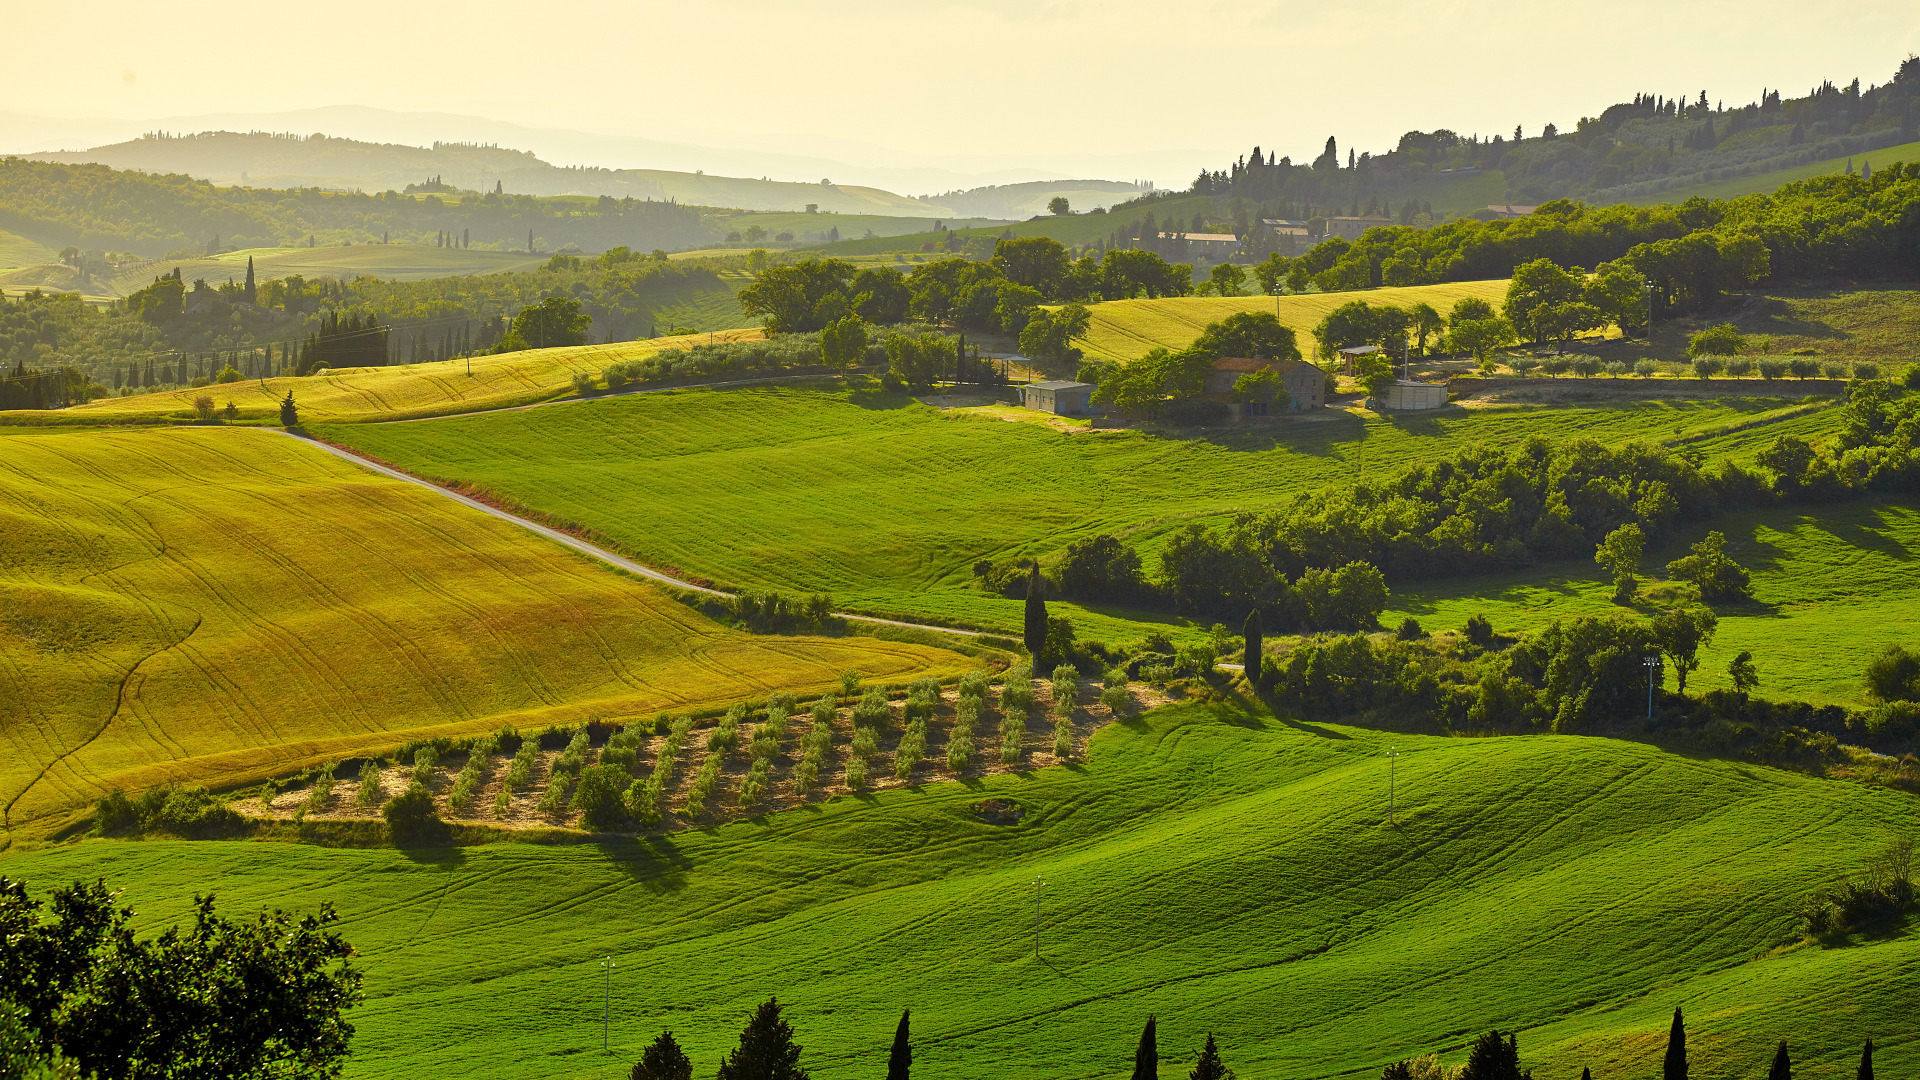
(1035, 632)
(247, 1000)
(1493, 1058)
(1397, 1070)
(663, 1060)
(766, 1050)
(598, 797)
(344, 343)
(1719, 578)
(1782, 1066)
(1410, 630)
(1680, 634)
(1865, 1072)
(1883, 891)
(1674, 1066)
(552, 322)
(900, 1058)
(411, 817)
(1146, 1056)
(1102, 568)
(1248, 334)
(1894, 675)
(1210, 1067)
(1478, 631)
(190, 812)
(1232, 569)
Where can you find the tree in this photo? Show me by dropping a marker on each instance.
(1618, 292)
(1146, 1056)
(663, 1060)
(1865, 1072)
(1049, 336)
(1252, 334)
(1741, 673)
(1479, 336)
(1681, 634)
(1539, 287)
(599, 796)
(1264, 385)
(1210, 1067)
(766, 1050)
(1559, 322)
(1038, 262)
(1782, 1067)
(1252, 633)
(1719, 577)
(1722, 340)
(1469, 309)
(1101, 568)
(1620, 554)
(1427, 323)
(1225, 279)
(843, 342)
(1036, 615)
(247, 291)
(900, 1058)
(411, 816)
(792, 298)
(1493, 1058)
(1894, 675)
(551, 323)
(1675, 1065)
(1058, 206)
(249, 1000)
(289, 416)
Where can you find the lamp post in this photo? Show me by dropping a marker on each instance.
(1647, 287)
(1653, 668)
(606, 1003)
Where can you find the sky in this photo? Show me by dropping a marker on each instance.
(972, 88)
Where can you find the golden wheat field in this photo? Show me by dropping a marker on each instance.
(218, 605)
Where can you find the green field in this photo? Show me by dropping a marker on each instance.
(396, 262)
(1227, 872)
(216, 605)
(18, 251)
(1766, 182)
(1832, 587)
(1124, 330)
(888, 503)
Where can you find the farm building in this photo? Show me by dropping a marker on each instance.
(1350, 228)
(1306, 384)
(1406, 396)
(1059, 397)
(1352, 353)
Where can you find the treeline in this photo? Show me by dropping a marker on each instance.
(94, 206)
(1847, 225)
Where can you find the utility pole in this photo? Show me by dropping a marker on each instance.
(1647, 287)
(1392, 756)
(606, 1004)
(1653, 666)
(1039, 886)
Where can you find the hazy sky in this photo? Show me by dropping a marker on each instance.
(1117, 89)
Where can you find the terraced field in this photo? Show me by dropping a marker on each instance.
(1226, 871)
(888, 504)
(213, 605)
(1123, 330)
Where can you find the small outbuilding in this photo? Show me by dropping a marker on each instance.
(1407, 396)
(1058, 396)
(1351, 355)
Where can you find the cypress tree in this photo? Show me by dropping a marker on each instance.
(1866, 1062)
(663, 1060)
(289, 416)
(1782, 1067)
(1586, 1073)
(900, 1058)
(249, 289)
(1253, 632)
(1146, 1057)
(766, 1050)
(1036, 628)
(1675, 1067)
(1209, 1067)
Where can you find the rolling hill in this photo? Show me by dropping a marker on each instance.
(212, 605)
(1227, 871)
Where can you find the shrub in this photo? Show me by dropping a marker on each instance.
(1116, 699)
(1738, 368)
(370, 792)
(191, 812)
(520, 772)
(411, 817)
(1062, 739)
(1410, 630)
(849, 683)
(1479, 631)
(322, 790)
(502, 801)
(912, 748)
(856, 772)
(1644, 368)
(974, 684)
(755, 782)
(1708, 366)
(598, 797)
(865, 742)
(1065, 685)
(1803, 368)
(872, 711)
(1114, 676)
(703, 784)
(424, 760)
(1722, 340)
(1866, 370)
(1885, 890)
(1197, 659)
(1894, 675)
(1771, 369)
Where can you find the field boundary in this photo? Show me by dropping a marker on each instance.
(592, 551)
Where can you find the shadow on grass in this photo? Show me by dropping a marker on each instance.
(654, 862)
(1863, 537)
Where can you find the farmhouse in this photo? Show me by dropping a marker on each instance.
(1306, 384)
(1059, 397)
(1350, 228)
(1212, 245)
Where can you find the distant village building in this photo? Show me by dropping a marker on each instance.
(1350, 228)
(1285, 236)
(1058, 396)
(1505, 210)
(1306, 384)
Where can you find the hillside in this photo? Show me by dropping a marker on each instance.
(1228, 872)
(1760, 183)
(195, 605)
(264, 160)
(828, 490)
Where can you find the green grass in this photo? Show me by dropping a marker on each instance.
(1767, 182)
(18, 251)
(1832, 586)
(218, 605)
(888, 504)
(1125, 330)
(395, 262)
(1227, 872)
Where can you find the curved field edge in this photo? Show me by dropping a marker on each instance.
(1227, 871)
(217, 606)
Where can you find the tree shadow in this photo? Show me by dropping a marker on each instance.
(653, 862)
(1865, 538)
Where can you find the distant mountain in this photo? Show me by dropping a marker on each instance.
(1020, 201)
(268, 160)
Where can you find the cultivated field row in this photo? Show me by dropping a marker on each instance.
(853, 757)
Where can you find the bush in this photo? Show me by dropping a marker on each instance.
(598, 797)
(856, 772)
(1894, 675)
(1479, 631)
(1771, 369)
(371, 789)
(583, 383)
(1410, 630)
(424, 761)
(411, 818)
(1722, 340)
(1116, 699)
(321, 791)
(1062, 739)
(849, 683)
(191, 812)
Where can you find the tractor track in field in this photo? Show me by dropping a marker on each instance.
(592, 551)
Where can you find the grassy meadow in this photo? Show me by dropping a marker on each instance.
(17, 251)
(1125, 330)
(1767, 182)
(211, 605)
(888, 504)
(1224, 870)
